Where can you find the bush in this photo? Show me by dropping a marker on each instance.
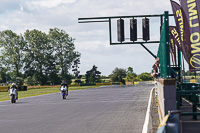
(118, 74)
(144, 76)
(131, 77)
(192, 77)
(77, 81)
(31, 81)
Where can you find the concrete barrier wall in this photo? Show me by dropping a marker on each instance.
(166, 95)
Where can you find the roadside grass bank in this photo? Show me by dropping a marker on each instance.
(40, 91)
(154, 119)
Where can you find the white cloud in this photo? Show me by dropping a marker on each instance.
(92, 40)
(50, 3)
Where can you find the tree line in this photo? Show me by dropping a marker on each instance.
(117, 75)
(37, 57)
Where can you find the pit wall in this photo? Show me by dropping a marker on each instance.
(166, 96)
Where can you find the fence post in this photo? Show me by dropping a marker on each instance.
(163, 51)
(166, 48)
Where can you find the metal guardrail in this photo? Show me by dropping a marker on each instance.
(171, 123)
(162, 125)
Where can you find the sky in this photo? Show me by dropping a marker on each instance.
(91, 39)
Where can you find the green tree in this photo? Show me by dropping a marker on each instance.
(36, 54)
(130, 70)
(44, 58)
(118, 74)
(192, 77)
(130, 75)
(93, 75)
(144, 76)
(12, 55)
(31, 80)
(3, 75)
(64, 50)
(75, 68)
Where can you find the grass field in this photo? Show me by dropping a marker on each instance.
(40, 91)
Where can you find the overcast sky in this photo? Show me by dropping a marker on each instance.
(91, 40)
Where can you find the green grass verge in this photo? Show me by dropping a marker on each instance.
(40, 91)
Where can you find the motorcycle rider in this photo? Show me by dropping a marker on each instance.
(15, 87)
(65, 85)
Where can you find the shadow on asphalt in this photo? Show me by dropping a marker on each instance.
(71, 98)
(20, 102)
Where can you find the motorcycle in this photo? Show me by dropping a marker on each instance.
(64, 91)
(13, 95)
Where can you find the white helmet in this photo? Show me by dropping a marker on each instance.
(13, 84)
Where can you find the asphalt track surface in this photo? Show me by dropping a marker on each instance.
(98, 110)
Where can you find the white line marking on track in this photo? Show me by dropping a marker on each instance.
(146, 122)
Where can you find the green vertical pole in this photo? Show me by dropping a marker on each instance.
(167, 71)
(180, 75)
(179, 65)
(181, 68)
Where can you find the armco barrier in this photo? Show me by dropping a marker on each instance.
(87, 84)
(73, 85)
(3, 88)
(171, 123)
(117, 83)
(76, 85)
(98, 84)
(103, 83)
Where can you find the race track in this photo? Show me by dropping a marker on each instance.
(99, 110)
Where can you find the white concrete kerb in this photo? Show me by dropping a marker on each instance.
(146, 122)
